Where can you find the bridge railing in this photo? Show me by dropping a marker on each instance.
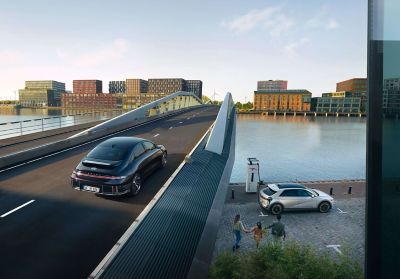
(216, 140)
(173, 102)
(30, 126)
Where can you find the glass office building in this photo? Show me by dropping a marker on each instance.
(117, 86)
(41, 93)
(383, 141)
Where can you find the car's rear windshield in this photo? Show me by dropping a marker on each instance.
(108, 153)
(268, 191)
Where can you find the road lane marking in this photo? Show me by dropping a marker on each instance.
(86, 143)
(15, 209)
(180, 122)
(188, 118)
(156, 135)
(335, 247)
(170, 128)
(262, 214)
(341, 211)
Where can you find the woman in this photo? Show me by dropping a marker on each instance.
(237, 229)
(258, 233)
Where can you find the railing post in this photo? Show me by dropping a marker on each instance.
(20, 127)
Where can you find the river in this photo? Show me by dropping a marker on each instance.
(301, 148)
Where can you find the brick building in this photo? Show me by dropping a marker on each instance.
(166, 85)
(282, 100)
(135, 87)
(87, 86)
(354, 85)
(272, 85)
(89, 100)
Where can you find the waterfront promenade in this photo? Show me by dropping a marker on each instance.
(339, 231)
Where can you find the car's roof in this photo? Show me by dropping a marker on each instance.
(122, 142)
(280, 186)
(290, 185)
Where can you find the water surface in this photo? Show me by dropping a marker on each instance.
(301, 148)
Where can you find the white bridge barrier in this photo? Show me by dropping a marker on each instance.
(173, 102)
(216, 140)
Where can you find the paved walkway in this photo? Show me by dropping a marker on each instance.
(344, 225)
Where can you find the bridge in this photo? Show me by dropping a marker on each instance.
(49, 230)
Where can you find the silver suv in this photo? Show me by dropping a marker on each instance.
(293, 196)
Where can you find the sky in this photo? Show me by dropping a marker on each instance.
(229, 45)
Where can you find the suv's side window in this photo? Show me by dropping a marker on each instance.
(148, 145)
(138, 150)
(304, 193)
(289, 193)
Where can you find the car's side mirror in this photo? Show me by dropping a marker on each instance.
(313, 196)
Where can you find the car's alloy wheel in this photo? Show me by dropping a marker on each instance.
(136, 185)
(164, 159)
(276, 209)
(324, 207)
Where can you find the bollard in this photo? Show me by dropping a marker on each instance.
(331, 191)
(233, 194)
(349, 192)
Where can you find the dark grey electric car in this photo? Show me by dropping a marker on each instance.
(118, 166)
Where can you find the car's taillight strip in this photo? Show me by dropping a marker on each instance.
(98, 176)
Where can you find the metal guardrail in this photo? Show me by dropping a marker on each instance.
(19, 128)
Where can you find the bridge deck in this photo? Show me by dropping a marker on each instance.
(65, 233)
(164, 244)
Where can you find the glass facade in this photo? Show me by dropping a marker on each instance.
(195, 86)
(383, 141)
(117, 86)
(41, 93)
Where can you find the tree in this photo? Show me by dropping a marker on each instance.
(239, 105)
(205, 99)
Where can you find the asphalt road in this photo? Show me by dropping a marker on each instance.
(64, 233)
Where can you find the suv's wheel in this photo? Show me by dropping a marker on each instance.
(136, 185)
(276, 209)
(164, 159)
(324, 207)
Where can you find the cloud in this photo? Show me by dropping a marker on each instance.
(291, 48)
(100, 56)
(270, 18)
(319, 20)
(332, 24)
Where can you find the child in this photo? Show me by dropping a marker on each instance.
(258, 233)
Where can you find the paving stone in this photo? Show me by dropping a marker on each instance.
(311, 228)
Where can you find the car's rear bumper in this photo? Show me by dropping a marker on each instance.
(98, 188)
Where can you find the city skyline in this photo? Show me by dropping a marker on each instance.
(230, 47)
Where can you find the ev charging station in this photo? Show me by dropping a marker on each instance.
(253, 175)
